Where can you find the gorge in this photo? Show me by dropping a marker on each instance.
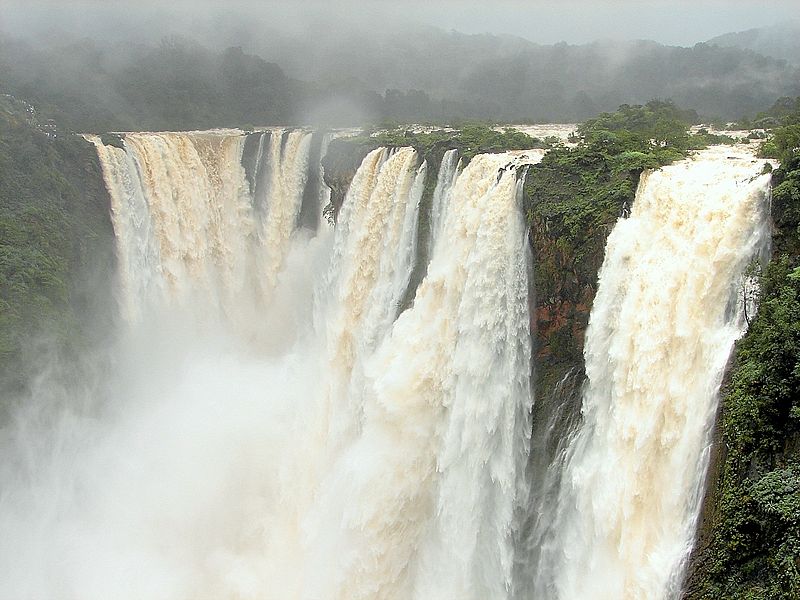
(381, 407)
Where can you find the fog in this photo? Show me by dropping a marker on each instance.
(95, 67)
(165, 486)
(153, 472)
(154, 65)
(674, 22)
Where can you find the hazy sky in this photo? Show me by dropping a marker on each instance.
(680, 22)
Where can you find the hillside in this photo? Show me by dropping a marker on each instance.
(781, 41)
(510, 78)
(422, 75)
(56, 247)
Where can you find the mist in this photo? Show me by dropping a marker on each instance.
(233, 448)
(671, 22)
(149, 466)
(119, 66)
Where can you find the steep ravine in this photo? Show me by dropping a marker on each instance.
(566, 263)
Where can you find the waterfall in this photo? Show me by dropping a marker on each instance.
(189, 227)
(480, 275)
(420, 503)
(281, 200)
(667, 312)
(444, 184)
(278, 423)
(303, 412)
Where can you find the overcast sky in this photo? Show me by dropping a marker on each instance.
(679, 22)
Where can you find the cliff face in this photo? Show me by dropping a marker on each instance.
(572, 200)
(564, 294)
(339, 165)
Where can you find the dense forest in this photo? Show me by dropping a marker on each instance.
(419, 76)
(56, 243)
(509, 78)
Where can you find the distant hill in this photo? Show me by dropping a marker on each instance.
(510, 78)
(421, 75)
(779, 41)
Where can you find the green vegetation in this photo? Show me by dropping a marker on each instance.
(783, 112)
(87, 85)
(750, 545)
(574, 197)
(55, 243)
(703, 138)
(655, 126)
(469, 139)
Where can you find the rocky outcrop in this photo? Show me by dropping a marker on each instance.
(339, 166)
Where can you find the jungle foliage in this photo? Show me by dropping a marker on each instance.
(55, 244)
(468, 138)
(575, 195)
(89, 85)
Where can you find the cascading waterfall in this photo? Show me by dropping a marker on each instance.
(480, 275)
(372, 253)
(448, 171)
(190, 229)
(286, 179)
(667, 312)
(276, 426)
(292, 415)
(435, 469)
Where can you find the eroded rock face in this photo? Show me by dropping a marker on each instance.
(564, 293)
(339, 165)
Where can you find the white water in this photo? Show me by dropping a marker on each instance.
(189, 233)
(275, 428)
(451, 165)
(271, 427)
(667, 312)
